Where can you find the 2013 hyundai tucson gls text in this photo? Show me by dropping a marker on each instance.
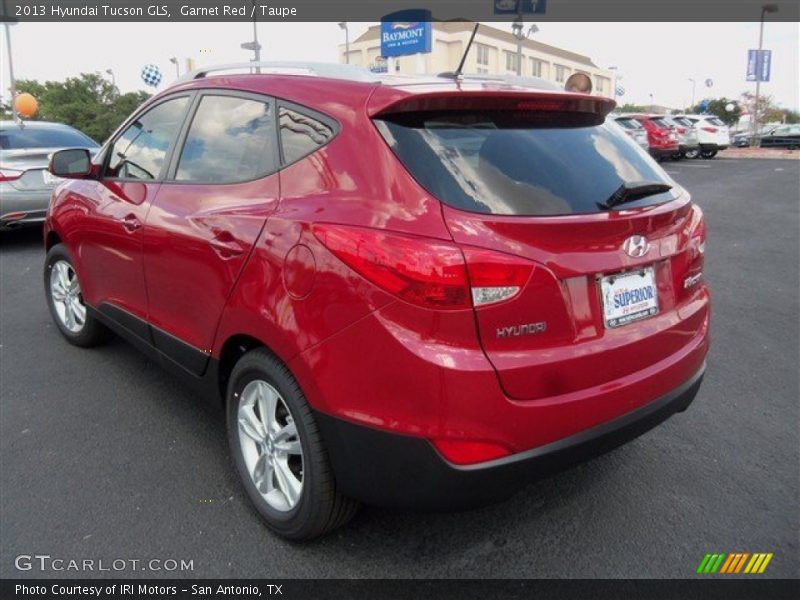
(405, 292)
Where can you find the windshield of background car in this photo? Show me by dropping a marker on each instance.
(39, 137)
(511, 163)
(661, 122)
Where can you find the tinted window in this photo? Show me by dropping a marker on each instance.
(516, 164)
(716, 121)
(140, 151)
(630, 123)
(301, 134)
(38, 137)
(230, 140)
(660, 122)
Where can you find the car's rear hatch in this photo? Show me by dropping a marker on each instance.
(611, 288)
(29, 167)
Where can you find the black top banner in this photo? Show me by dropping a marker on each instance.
(373, 10)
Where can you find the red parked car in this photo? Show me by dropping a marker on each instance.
(405, 293)
(661, 136)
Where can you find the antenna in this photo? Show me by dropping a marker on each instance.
(457, 74)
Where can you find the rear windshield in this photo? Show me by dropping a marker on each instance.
(17, 138)
(630, 123)
(661, 122)
(716, 121)
(510, 163)
(683, 121)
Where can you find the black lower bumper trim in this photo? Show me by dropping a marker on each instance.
(392, 470)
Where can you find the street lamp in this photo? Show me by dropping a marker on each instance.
(766, 8)
(694, 84)
(613, 69)
(174, 61)
(254, 46)
(343, 25)
(516, 30)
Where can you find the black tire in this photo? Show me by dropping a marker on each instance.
(320, 508)
(92, 332)
(708, 153)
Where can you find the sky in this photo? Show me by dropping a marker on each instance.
(652, 58)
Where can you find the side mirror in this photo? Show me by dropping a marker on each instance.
(72, 163)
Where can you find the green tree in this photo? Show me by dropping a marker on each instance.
(88, 102)
(719, 107)
(633, 108)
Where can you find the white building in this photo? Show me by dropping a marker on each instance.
(493, 52)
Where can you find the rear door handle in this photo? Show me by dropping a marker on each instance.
(131, 223)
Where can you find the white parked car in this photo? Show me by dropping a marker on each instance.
(712, 134)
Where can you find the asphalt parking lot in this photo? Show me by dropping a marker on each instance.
(105, 456)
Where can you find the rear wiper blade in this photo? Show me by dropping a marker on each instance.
(634, 190)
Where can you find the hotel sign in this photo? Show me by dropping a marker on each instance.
(406, 32)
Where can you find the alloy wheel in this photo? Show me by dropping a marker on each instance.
(65, 293)
(270, 445)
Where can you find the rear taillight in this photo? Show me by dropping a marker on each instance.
(710, 129)
(426, 272)
(682, 130)
(10, 174)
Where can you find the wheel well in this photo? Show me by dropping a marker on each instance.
(234, 348)
(52, 240)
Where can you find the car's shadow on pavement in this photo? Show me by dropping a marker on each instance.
(20, 239)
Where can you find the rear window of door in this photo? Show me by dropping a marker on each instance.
(508, 163)
(140, 152)
(231, 139)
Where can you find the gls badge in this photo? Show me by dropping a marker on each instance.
(518, 330)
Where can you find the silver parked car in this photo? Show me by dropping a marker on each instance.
(634, 129)
(687, 137)
(25, 183)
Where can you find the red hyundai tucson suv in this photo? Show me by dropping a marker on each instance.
(412, 293)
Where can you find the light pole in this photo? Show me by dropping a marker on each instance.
(343, 25)
(12, 82)
(652, 106)
(516, 30)
(694, 84)
(254, 45)
(613, 69)
(766, 8)
(174, 61)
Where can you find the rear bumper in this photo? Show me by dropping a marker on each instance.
(394, 470)
(18, 208)
(663, 152)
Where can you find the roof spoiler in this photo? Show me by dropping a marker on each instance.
(385, 102)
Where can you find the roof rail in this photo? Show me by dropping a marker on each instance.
(329, 70)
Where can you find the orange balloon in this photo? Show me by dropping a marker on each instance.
(26, 105)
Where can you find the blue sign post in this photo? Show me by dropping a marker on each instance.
(406, 32)
(759, 65)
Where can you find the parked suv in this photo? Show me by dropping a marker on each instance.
(407, 293)
(634, 130)
(661, 136)
(712, 134)
(688, 144)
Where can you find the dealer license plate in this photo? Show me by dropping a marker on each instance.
(629, 297)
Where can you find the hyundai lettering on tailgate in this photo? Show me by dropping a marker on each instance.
(629, 297)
